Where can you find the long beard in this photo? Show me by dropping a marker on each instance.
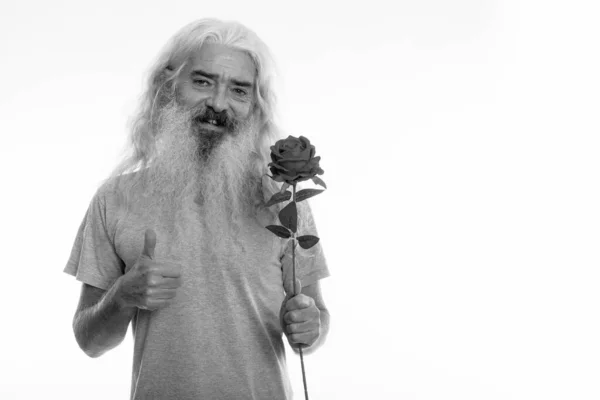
(217, 174)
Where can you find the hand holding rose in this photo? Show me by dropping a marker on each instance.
(300, 319)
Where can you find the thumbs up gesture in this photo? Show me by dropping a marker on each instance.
(299, 317)
(149, 284)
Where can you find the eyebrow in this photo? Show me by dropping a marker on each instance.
(236, 82)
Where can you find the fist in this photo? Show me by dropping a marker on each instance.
(149, 284)
(300, 319)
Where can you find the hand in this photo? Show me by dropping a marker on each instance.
(149, 285)
(300, 319)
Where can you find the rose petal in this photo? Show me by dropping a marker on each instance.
(290, 143)
(292, 165)
(296, 158)
(297, 152)
(305, 154)
(305, 140)
(277, 178)
(289, 178)
(302, 179)
(278, 167)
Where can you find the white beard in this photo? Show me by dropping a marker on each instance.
(225, 186)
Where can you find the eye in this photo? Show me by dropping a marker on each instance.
(240, 92)
(201, 82)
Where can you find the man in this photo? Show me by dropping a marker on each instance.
(175, 241)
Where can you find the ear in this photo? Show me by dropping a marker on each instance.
(165, 85)
(169, 71)
(166, 74)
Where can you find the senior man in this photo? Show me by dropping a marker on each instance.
(174, 240)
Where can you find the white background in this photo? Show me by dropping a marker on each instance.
(460, 145)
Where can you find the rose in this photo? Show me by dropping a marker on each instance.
(294, 160)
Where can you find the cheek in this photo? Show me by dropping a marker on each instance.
(188, 97)
(242, 110)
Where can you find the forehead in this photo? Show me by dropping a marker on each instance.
(225, 61)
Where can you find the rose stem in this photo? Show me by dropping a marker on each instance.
(296, 293)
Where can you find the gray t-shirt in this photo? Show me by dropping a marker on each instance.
(221, 338)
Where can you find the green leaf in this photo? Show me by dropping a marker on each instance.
(278, 198)
(307, 241)
(318, 181)
(307, 193)
(280, 231)
(289, 216)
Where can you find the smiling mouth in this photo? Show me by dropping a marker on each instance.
(211, 124)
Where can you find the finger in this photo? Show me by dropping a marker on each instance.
(149, 243)
(289, 288)
(162, 294)
(307, 338)
(305, 314)
(298, 287)
(299, 302)
(158, 281)
(155, 304)
(168, 271)
(302, 327)
(292, 317)
(165, 283)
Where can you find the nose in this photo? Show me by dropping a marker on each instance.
(217, 101)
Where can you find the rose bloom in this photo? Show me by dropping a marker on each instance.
(293, 160)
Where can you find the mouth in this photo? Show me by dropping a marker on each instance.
(211, 124)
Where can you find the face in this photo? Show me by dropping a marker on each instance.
(218, 81)
(206, 134)
(206, 139)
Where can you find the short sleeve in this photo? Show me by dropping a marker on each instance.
(311, 264)
(93, 259)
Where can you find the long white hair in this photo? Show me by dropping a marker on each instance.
(141, 147)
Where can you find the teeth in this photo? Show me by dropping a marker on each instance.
(212, 121)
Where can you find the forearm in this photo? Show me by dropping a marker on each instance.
(324, 331)
(102, 326)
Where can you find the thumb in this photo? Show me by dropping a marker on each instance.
(298, 287)
(149, 243)
(293, 293)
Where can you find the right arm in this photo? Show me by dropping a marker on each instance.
(101, 321)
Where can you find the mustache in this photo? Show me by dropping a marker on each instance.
(207, 114)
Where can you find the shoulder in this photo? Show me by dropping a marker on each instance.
(110, 200)
(116, 189)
